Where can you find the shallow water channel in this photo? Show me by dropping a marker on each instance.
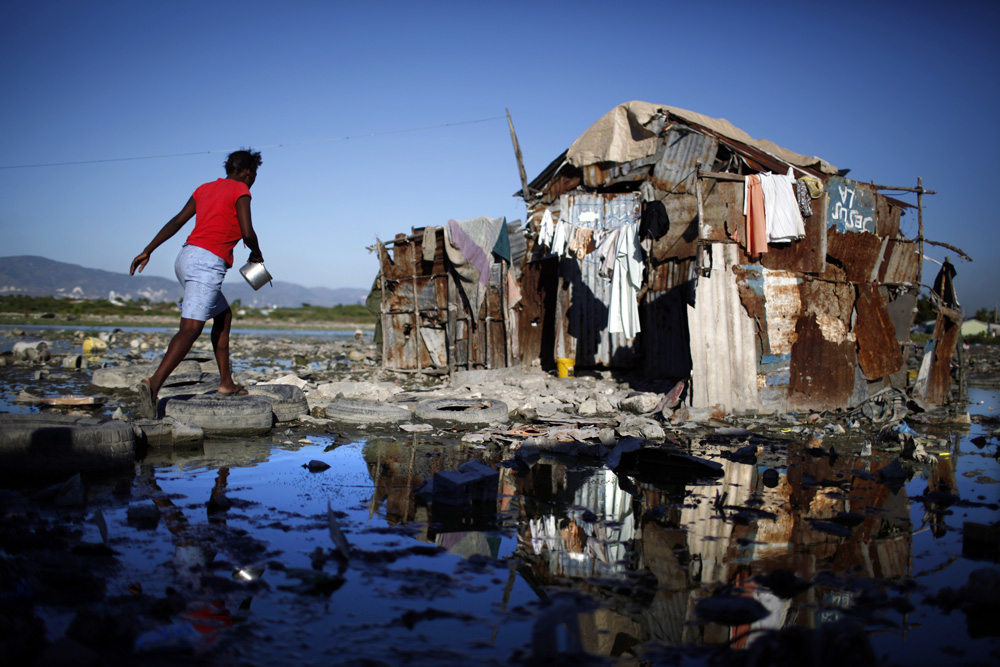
(239, 540)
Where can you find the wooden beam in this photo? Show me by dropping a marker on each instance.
(525, 192)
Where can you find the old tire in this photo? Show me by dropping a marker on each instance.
(189, 384)
(287, 401)
(463, 410)
(63, 444)
(366, 412)
(223, 416)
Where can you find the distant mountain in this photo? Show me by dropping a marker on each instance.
(38, 276)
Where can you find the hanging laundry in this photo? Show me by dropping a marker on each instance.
(815, 186)
(783, 221)
(501, 249)
(560, 238)
(753, 209)
(623, 311)
(582, 242)
(429, 242)
(546, 229)
(803, 198)
(606, 251)
(654, 222)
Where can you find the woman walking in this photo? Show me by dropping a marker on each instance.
(222, 218)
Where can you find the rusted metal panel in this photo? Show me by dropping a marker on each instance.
(723, 207)
(683, 150)
(539, 281)
(807, 255)
(681, 240)
(723, 355)
(878, 351)
(887, 216)
(425, 322)
(832, 304)
(821, 373)
(900, 262)
(850, 205)
(946, 331)
(860, 254)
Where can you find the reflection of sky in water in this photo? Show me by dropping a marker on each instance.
(287, 512)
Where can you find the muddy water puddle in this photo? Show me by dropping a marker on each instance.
(236, 535)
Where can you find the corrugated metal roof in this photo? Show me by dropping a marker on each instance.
(682, 151)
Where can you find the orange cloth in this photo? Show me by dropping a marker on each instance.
(756, 236)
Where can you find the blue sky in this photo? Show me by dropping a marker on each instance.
(372, 103)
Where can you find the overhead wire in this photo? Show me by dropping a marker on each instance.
(229, 150)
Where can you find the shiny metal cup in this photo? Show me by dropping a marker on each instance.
(255, 274)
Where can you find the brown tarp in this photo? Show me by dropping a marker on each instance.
(630, 132)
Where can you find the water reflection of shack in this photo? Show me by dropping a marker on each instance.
(807, 310)
(650, 550)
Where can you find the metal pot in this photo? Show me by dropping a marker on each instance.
(255, 274)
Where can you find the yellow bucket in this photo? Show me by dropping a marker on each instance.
(565, 367)
(93, 345)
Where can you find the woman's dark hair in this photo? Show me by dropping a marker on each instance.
(242, 159)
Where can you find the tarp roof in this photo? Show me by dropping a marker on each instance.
(629, 132)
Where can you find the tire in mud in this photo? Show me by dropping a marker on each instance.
(223, 416)
(463, 410)
(366, 412)
(288, 403)
(36, 444)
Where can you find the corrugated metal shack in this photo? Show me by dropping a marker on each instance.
(432, 318)
(818, 323)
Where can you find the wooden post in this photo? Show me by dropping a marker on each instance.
(504, 300)
(416, 306)
(525, 193)
(920, 227)
(381, 302)
(486, 325)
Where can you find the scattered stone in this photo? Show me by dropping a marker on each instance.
(641, 427)
(416, 428)
(316, 466)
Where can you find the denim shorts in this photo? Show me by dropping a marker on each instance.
(201, 274)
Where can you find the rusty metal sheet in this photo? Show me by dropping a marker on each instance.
(539, 281)
(681, 240)
(900, 263)
(723, 207)
(683, 150)
(832, 304)
(807, 255)
(887, 216)
(902, 310)
(821, 373)
(879, 353)
(850, 205)
(859, 254)
(946, 331)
